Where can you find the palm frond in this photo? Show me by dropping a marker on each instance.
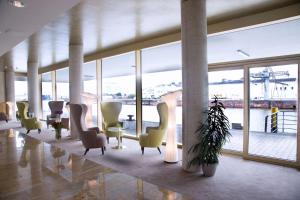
(212, 134)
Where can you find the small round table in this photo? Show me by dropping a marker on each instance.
(119, 131)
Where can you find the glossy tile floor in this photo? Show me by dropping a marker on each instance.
(30, 169)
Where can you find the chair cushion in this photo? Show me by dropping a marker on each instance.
(101, 140)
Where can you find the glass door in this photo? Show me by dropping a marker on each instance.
(273, 111)
(228, 86)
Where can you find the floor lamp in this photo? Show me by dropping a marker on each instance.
(170, 98)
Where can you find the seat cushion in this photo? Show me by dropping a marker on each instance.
(101, 140)
(110, 133)
(144, 140)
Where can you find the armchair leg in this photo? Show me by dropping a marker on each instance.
(107, 140)
(121, 139)
(159, 150)
(143, 148)
(39, 130)
(28, 131)
(102, 149)
(86, 151)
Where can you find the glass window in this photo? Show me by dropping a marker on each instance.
(90, 92)
(62, 88)
(21, 88)
(161, 73)
(228, 86)
(46, 93)
(118, 84)
(273, 111)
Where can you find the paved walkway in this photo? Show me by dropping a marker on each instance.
(280, 145)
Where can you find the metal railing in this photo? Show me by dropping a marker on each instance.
(281, 121)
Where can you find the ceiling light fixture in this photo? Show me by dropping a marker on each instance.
(16, 3)
(243, 53)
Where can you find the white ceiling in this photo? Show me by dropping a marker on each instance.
(106, 23)
(266, 41)
(17, 24)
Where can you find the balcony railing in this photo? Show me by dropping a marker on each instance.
(281, 121)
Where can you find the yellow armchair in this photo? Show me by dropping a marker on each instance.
(28, 123)
(110, 113)
(154, 135)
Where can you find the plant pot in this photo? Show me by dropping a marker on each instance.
(209, 169)
(58, 133)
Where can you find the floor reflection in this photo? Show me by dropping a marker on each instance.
(30, 169)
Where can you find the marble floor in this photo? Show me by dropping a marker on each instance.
(235, 178)
(31, 169)
(273, 145)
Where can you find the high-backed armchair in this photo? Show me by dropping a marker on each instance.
(110, 115)
(56, 108)
(5, 111)
(28, 123)
(154, 135)
(89, 137)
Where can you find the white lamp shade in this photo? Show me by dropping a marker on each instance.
(171, 155)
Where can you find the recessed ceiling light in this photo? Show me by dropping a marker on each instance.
(16, 3)
(243, 53)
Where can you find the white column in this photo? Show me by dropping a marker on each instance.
(10, 89)
(194, 73)
(33, 88)
(75, 77)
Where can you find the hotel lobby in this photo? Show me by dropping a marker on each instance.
(149, 99)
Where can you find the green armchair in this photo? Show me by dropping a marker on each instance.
(110, 113)
(154, 135)
(28, 123)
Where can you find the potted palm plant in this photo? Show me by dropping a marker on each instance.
(212, 135)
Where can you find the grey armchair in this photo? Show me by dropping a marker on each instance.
(6, 111)
(89, 137)
(56, 108)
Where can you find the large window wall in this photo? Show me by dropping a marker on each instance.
(267, 127)
(273, 111)
(21, 88)
(90, 97)
(62, 88)
(47, 89)
(118, 84)
(228, 86)
(161, 74)
(261, 100)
